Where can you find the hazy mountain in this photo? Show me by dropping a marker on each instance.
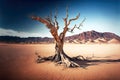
(83, 38)
(93, 37)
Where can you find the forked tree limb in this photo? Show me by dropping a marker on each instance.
(52, 28)
(73, 19)
(67, 23)
(51, 19)
(75, 26)
(55, 21)
(44, 21)
(81, 24)
(48, 19)
(71, 30)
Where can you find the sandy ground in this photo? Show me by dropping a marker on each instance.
(17, 62)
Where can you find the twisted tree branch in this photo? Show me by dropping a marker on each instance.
(73, 19)
(52, 28)
(71, 30)
(56, 22)
(75, 26)
(81, 24)
(67, 23)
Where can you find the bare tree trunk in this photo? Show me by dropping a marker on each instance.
(59, 53)
(61, 58)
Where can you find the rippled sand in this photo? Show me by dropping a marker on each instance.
(17, 62)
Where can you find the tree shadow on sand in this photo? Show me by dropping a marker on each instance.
(87, 63)
(79, 60)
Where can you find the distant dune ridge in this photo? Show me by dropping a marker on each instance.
(87, 37)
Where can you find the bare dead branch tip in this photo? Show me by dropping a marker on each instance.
(55, 19)
(73, 19)
(75, 26)
(71, 30)
(81, 24)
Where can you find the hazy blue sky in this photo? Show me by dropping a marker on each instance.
(101, 15)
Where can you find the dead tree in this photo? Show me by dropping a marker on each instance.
(60, 56)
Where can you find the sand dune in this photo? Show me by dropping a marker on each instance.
(114, 41)
(17, 62)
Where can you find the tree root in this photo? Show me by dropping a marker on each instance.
(73, 62)
(67, 62)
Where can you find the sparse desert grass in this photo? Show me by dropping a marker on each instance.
(17, 62)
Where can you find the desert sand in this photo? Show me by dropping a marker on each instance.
(17, 62)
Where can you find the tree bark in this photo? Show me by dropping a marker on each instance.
(59, 53)
(61, 58)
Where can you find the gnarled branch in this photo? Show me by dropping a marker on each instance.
(75, 26)
(44, 21)
(67, 13)
(66, 18)
(81, 24)
(73, 19)
(67, 23)
(71, 30)
(49, 19)
(56, 22)
(52, 28)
